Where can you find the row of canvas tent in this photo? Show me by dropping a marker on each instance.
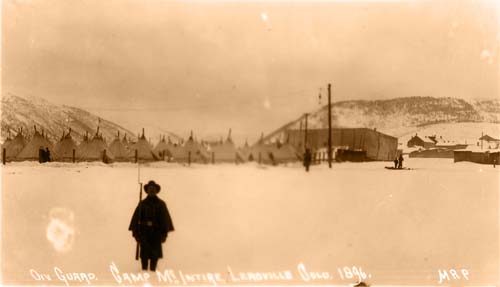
(122, 150)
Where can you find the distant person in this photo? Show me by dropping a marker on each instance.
(47, 155)
(271, 157)
(307, 159)
(400, 161)
(494, 162)
(396, 161)
(41, 155)
(150, 226)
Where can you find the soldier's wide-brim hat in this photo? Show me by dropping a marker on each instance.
(152, 184)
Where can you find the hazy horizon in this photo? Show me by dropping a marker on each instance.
(249, 66)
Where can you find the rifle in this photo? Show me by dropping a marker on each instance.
(137, 247)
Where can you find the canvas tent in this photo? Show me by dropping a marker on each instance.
(14, 146)
(245, 151)
(119, 150)
(144, 150)
(283, 153)
(31, 150)
(163, 149)
(225, 151)
(177, 152)
(64, 148)
(95, 150)
(262, 153)
(83, 144)
(198, 152)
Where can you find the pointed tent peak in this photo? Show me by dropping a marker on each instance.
(118, 134)
(124, 138)
(246, 143)
(34, 127)
(191, 136)
(68, 135)
(229, 139)
(142, 136)
(261, 140)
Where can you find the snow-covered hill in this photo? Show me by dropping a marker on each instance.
(25, 113)
(401, 116)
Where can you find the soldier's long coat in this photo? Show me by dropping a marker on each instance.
(150, 225)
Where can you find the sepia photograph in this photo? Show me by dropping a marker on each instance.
(250, 143)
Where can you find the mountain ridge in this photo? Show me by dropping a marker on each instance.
(24, 113)
(397, 116)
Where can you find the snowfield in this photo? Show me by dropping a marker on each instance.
(398, 226)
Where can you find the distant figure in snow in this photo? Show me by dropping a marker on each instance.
(400, 160)
(494, 162)
(41, 155)
(47, 155)
(271, 157)
(150, 226)
(396, 162)
(307, 159)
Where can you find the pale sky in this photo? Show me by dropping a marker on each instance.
(250, 66)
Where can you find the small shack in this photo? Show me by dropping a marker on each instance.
(417, 141)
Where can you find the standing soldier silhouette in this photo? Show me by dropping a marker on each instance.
(47, 155)
(400, 161)
(307, 159)
(150, 226)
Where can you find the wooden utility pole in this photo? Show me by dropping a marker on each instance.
(329, 127)
(482, 135)
(305, 132)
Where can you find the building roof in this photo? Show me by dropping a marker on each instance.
(489, 138)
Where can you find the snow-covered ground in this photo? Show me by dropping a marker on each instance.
(399, 226)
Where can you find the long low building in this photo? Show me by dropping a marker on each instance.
(378, 146)
(484, 157)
